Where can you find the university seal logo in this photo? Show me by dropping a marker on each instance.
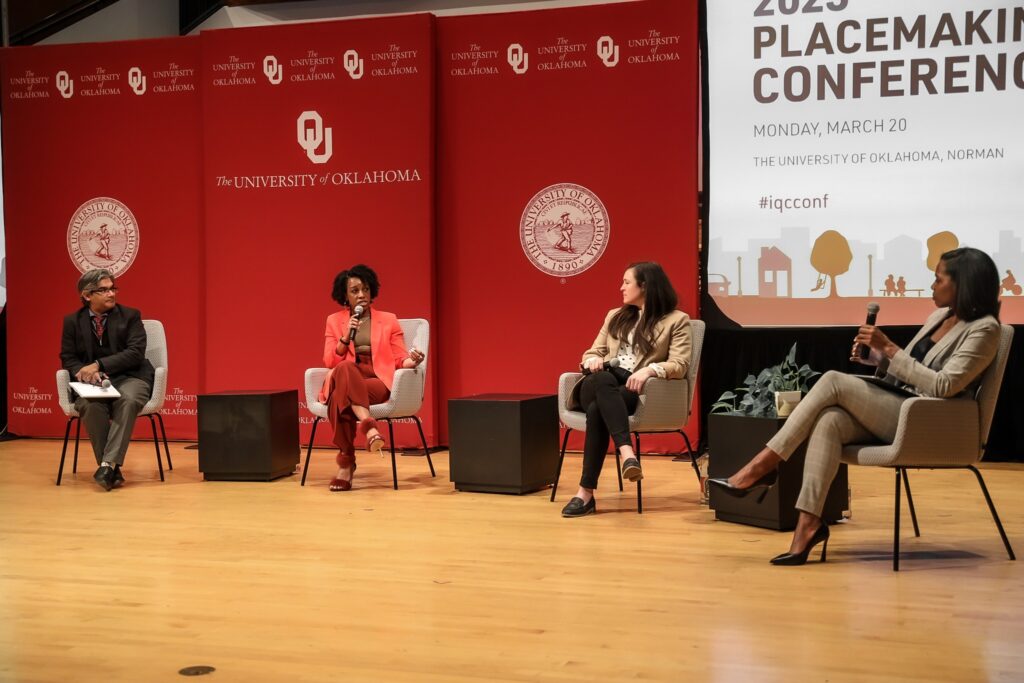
(564, 229)
(103, 233)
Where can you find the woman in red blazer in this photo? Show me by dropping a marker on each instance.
(364, 348)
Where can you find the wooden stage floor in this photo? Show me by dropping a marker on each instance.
(273, 582)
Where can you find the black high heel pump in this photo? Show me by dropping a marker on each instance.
(763, 485)
(796, 559)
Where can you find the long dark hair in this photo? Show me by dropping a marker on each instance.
(659, 300)
(977, 283)
(364, 273)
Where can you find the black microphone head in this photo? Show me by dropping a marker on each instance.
(873, 308)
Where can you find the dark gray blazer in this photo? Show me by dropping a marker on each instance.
(123, 352)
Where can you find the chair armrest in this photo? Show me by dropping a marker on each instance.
(565, 384)
(664, 404)
(314, 381)
(937, 431)
(159, 393)
(406, 392)
(63, 389)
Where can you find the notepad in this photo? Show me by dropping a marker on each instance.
(92, 391)
(881, 383)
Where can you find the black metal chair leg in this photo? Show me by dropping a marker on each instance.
(910, 503)
(64, 450)
(639, 482)
(156, 445)
(992, 509)
(426, 448)
(394, 467)
(163, 433)
(896, 527)
(561, 457)
(618, 465)
(309, 451)
(693, 457)
(78, 433)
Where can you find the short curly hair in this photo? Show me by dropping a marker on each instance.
(364, 273)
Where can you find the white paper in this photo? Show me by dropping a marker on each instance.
(92, 391)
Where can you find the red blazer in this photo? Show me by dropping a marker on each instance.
(387, 345)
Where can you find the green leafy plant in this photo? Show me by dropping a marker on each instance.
(757, 395)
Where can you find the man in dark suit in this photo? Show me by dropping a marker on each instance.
(104, 340)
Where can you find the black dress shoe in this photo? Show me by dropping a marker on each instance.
(796, 559)
(762, 484)
(118, 477)
(577, 508)
(631, 470)
(104, 476)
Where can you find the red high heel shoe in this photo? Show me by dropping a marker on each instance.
(338, 484)
(375, 443)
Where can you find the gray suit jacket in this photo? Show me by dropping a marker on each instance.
(953, 367)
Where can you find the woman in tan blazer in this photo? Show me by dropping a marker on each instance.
(945, 359)
(646, 337)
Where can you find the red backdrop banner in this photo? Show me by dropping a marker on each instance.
(318, 155)
(101, 134)
(577, 124)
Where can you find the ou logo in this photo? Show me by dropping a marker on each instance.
(272, 69)
(353, 64)
(518, 59)
(137, 80)
(65, 84)
(311, 137)
(608, 51)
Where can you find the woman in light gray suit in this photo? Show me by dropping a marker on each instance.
(945, 359)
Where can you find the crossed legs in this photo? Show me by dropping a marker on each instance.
(353, 388)
(838, 410)
(608, 405)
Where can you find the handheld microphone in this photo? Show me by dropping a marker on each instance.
(873, 307)
(357, 313)
(105, 383)
(607, 365)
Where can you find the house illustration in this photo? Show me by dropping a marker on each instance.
(774, 273)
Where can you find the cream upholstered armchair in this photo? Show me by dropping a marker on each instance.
(156, 353)
(940, 433)
(664, 407)
(405, 400)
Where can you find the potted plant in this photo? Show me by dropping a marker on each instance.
(772, 393)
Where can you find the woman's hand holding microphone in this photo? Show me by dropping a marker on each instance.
(879, 345)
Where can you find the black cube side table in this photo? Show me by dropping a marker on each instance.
(503, 443)
(732, 441)
(248, 435)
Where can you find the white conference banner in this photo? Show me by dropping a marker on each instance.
(852, 142)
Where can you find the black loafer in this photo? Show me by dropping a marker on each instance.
(631, 470)
(118, 477)
(104, 476)
(577, 508)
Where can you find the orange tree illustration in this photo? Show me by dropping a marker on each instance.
(939, 244)
(831, 256)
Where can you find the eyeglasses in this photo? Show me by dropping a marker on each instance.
(103, 290)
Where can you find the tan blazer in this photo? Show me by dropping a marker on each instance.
(952, 367)
(672, 349)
